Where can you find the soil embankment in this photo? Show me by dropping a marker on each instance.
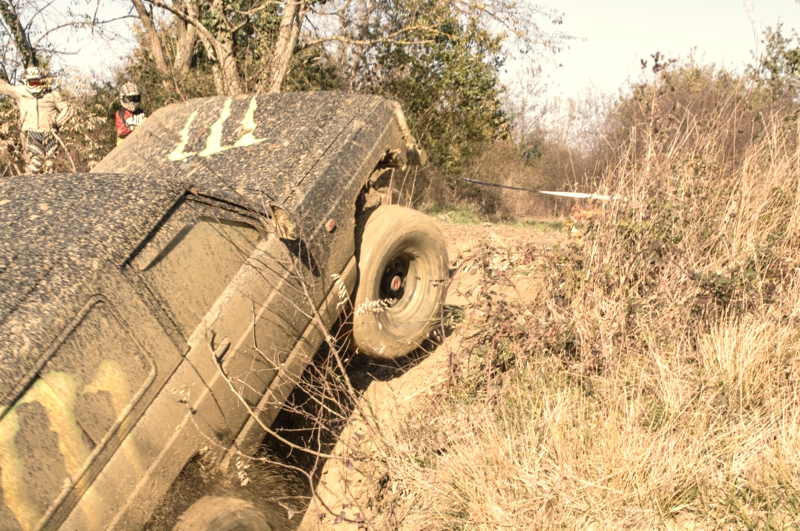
(351, 484)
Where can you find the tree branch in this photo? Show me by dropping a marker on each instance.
(186, 17)
(369, 42)
(10, 16)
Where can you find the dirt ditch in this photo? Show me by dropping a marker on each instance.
(491, 264)
(348, 486)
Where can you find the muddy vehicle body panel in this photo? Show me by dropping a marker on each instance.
(150, 308)
(302, 152)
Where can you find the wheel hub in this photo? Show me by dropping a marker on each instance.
(393, 281)
(397, 283)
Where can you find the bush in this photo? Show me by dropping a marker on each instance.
(654, 383)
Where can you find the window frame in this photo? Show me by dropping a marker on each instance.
(124, 302)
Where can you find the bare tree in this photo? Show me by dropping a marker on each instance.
(217, 32)
(217, 38)
(348, 29)
(146, 16)
(294, 11)
(22, 42)
(35, 31)
(187, 37)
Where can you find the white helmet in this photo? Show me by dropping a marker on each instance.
(35, 80)
(129, 96)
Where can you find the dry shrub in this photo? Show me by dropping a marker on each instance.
(548, 165)
(658, 384)
(544, 167)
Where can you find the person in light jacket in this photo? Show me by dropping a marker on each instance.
(42, 112)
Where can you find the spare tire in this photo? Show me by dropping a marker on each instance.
(212, 513)
(402, 275)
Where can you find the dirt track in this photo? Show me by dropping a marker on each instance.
(348, 485)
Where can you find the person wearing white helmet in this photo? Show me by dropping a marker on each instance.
(42, 112)
(130, 116)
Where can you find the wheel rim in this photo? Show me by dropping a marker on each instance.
(408, 271)
(395, 277)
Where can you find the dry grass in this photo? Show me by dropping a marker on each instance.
(504, 164)
(659, 384)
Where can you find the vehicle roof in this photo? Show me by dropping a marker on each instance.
(65, 224)
(48, 219)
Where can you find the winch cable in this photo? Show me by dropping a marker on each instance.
(574, 195)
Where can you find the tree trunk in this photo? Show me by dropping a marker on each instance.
(21, 40)
(218, 43)
(155, 42)
(294, 11)
(228, 71)
(223, 66)
(187, 36)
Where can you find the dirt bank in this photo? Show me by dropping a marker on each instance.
(353, 481)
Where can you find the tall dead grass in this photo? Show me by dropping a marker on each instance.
(658, 384)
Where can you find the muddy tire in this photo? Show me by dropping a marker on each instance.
(402, 274)
(212, 513)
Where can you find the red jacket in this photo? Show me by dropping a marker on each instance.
(127, 121)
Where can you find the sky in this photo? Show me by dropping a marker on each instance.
(611, 36)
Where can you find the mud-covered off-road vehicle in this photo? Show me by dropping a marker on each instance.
(169, 300)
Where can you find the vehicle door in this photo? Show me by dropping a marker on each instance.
(86, 390)
(230, 288)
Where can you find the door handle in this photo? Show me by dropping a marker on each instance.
(222, 349)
